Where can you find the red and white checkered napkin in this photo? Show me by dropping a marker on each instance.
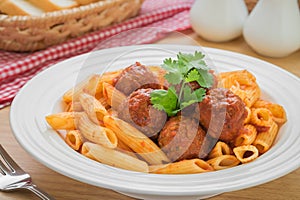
(155, 20)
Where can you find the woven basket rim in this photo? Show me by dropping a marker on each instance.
(31, 33)
(58, 14)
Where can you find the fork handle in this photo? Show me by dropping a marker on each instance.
(40, 193)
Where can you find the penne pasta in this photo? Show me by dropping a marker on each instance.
(74, 107)
(125, 149)
(246, 135)
(113, 96)
(247, 119)
(94, 109)
(74, 139)
(223, 162)
(244, 73)
(103, 101)
(96, 133)
(238, 78)
(92, 87)
(91, 125)
(221, 148)
(238, 91)
(63, 120)
(73, 93)
(261, 117)
(264, 140)
(243, 84)
(278, 112)
(182, 167)
(246, 153)
(109, 77)
(253, 94)
(68, 96)
(113, 158)
(136, 140)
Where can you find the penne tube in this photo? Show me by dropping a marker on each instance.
(109, 77)
(96, 133)
(238, 91)
(74, 139)
(74, 107)
(223, 162)
(246, 153)
(278, 112)
(103, 101)
(113, 158)
(73, 93)
(113, 96)
(94, 109)
(63, 120)
(246, 135)
(68, 107)
(247, 119)
(244, 73)
(264, 140)
(221, 148)
(125, 149)
(136, 140)
(253, 94)
(68, 96)
(243, 84)
(242, 77)
(261, 117)
(182, 167)
(92, 87)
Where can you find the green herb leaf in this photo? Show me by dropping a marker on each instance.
(190, 96)
(206, 79)
(193, 75)
(192, 61)
(170, 65)
(165, 100)
(187, 68)
(173, 77)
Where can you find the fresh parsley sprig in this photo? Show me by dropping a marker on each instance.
(186, 69)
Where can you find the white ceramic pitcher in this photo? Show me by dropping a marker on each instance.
(273, 27)
(218, 20)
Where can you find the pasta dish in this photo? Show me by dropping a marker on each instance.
(177, 118)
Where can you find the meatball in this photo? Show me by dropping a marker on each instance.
(138, 111)
(183, 138)
(222, 113)
(134, 77)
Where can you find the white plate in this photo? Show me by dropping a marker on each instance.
(41, 96)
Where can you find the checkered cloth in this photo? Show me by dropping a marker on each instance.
(156, 19)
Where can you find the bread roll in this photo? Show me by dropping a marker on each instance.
(53, 5)
(85, 2)
(19, 7)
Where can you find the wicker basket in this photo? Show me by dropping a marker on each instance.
(31, 33)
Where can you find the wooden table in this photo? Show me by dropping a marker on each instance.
(64, 188)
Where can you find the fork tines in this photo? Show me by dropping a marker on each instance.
(9, 165)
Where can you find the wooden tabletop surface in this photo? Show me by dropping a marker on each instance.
(64, 188)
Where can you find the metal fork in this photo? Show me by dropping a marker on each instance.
(12, 177)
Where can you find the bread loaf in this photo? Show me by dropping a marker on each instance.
(85, 2)
(53, 5)
(19, 7)
(38, 7)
